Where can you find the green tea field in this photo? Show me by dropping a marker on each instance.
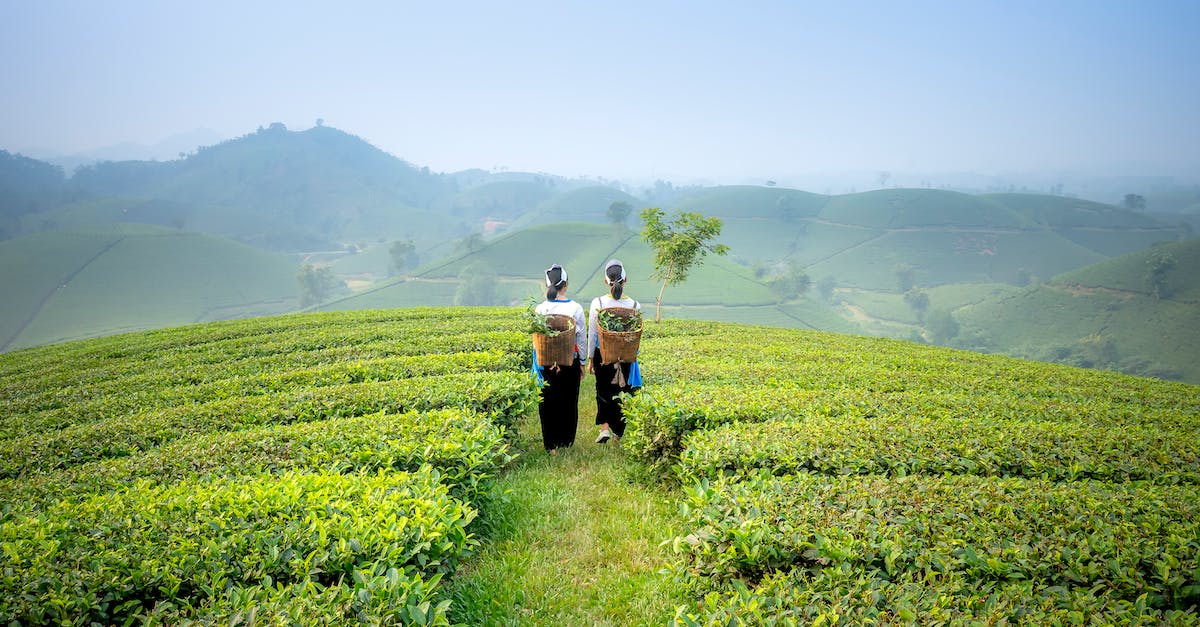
(385, 467)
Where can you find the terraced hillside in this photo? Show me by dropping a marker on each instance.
(830, 479)
(307, 468)
(62, 285)
(340, 468)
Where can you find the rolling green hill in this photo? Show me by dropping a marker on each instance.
(1103, 316)
(71, 284)
(384, 467)
(1108, 230)
(915, 208)
(322, 185)
(333, 200)
(513, 266)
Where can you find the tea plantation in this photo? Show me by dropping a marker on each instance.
(841, 480)
(340, 468)
(312, 469)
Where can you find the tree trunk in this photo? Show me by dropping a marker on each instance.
(658, 303)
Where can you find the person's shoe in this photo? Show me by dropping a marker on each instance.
(604, 436)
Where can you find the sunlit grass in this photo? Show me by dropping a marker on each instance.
(574, 541)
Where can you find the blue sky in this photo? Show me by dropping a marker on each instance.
(723, 92)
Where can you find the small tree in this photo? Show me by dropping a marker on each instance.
(825, 288)
(790, 283)
(1160, 263)
(679, 245)
(941, 326)
(1134, 202)
(403, 254)
(317, 285)
(476, 286)
(619, 211)
(918, 300)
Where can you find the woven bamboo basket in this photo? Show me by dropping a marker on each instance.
(560, 349)
(620, 346)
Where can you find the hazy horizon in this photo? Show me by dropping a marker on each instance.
(674, 91)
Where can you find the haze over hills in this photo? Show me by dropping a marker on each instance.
(893, 261)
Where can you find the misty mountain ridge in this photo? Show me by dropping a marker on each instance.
(326, 197)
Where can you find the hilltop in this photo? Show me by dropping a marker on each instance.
(893, 262)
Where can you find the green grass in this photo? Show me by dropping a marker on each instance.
(576, 539)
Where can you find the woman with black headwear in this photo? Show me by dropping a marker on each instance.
(615, 378)
(559, 405)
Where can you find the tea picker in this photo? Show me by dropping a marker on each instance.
(558, 329)
(614, 337)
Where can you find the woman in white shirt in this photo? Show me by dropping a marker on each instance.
(615, 378)
(559, 405)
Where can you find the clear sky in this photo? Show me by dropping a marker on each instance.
(704, 90)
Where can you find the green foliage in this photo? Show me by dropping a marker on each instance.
(317, 285)
(197, 548)
(678, 245)
(941, 326)
(317, 468)
(476, 286)
(1115, 298)
(618, 212)
(610, 321)
(931, 549)
(842, 480)
(403, 255)
(1134, 202)
(1160, 264)
(918, 300)
(536, 322)
(64, 285)
(790, 283)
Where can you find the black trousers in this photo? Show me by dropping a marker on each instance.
(559, 406)
(608, 406)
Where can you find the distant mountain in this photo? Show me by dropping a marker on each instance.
(888, 262)
(167, 149)
(322, 184)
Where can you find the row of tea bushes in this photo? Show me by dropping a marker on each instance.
(200, 548)
(310, 469)
(840, 480)
(139, 394)
(36, 385)
(466, 448)
(854, 549)
(503, 395)
(904, 444)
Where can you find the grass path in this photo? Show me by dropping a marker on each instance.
(575, 541)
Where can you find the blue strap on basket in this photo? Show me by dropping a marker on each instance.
(537, 372)
(635, 376)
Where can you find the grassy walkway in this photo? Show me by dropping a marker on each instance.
(575, 542)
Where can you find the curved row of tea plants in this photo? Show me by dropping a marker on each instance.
(307, 469)
(836, 480)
